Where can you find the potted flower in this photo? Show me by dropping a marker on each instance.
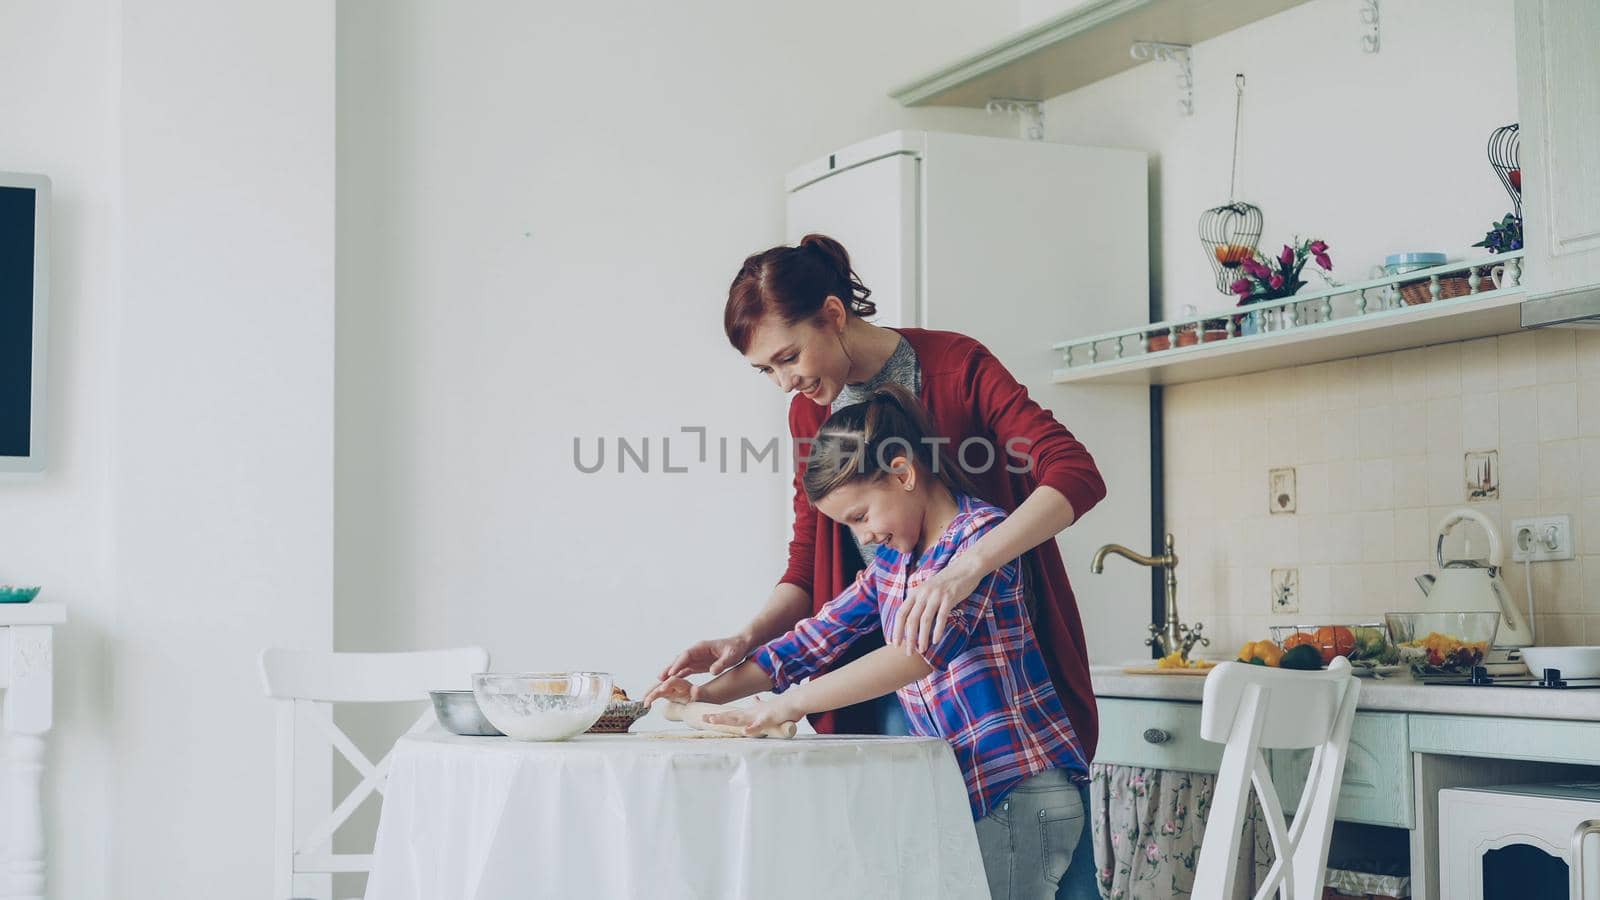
(1272, 278)
(1504, 236)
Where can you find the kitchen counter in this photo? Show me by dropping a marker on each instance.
(1400, 693)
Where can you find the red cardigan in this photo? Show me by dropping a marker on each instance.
(968, 393)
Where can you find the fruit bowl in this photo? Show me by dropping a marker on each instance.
(1366, 643)
(542, 706)
(1442, 643)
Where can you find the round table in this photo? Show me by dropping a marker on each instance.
(636, 815)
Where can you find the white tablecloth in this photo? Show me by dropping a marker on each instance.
(623, 816)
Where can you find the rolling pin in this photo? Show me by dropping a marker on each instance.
(694, 715)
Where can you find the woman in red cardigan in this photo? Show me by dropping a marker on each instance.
(798, 314)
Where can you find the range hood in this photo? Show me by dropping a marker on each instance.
(1579, 308)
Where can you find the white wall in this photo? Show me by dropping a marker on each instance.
(539, 218)
(1375, 153)
(53, 528)
(222, 400)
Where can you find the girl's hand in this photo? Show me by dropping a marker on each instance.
(759, 717)
(712, 657)
(674, 689)
(922, 619)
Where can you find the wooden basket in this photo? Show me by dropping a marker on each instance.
(1450, 287)
(619, 717)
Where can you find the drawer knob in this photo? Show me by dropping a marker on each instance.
(1156, 736)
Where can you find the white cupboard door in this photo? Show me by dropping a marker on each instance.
(1558, 94)
(872, 210)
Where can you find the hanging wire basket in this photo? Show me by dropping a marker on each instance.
(1230, 234)
(1505, 158)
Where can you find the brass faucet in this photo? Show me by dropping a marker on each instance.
(1174, 636)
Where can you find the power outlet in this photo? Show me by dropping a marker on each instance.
(1540, 539)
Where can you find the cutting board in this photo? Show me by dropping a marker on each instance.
(1153, 670)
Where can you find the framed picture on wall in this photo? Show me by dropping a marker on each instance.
(24, 293)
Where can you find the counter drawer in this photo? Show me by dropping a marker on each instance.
(1158, 734)
(1377, 773)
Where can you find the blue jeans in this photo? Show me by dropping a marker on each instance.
(1081, 881)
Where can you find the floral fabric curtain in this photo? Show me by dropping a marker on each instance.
(1148, 825)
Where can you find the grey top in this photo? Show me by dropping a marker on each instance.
(901, 368)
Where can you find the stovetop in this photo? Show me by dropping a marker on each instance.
(1550, 680)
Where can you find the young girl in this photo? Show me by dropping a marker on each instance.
(982, 685)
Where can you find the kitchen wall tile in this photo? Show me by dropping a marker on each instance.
(1252, 441)
(1375, 433)
(1558, 469)
(1444, 425)
(1480, 420)
(1377, 484)
(1413, 536)
(1589, 465)
(1410, 374)
(1377, 589)
(1315, 599)
(1410, 427)
(1281, 541)
(1312, 484)
(1442, 366)
(1282, 440)
(1519, 365)
(1480, 361)
(1377, 536)
(1555, 349)
(1344, 486)
(1447, 481)
(1311, 437)
(1309, 384)
(1340, 388)
(1560, 630)
(1410, 481)
(1558, 411)
(1344, 538)
(1344, 589)
(1519, 415)
(1591, 585)
(1557, 586)
(1587, 526)
(1589, 407)
(1374, 379)
(1519, 470)
(1588, 352)
(1316, 540)
(1341, 434)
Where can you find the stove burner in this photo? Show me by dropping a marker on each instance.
(1550, 680)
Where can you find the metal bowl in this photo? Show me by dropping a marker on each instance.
(458, 712)
(543, 706)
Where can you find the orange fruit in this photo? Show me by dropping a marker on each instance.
(1334, 640)
(1298, 638)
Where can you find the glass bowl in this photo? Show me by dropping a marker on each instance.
(1442, 643)
(542, 706)
(458, 713)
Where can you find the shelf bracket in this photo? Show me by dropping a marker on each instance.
(1178, 53)
(1369, 18)
(1031, 112)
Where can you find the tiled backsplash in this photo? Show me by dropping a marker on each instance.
(1378, 446)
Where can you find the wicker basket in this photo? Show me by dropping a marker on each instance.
(1450, 286)
(619, 717)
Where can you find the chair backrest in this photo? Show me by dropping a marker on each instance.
(1251, 708)
(304, 684)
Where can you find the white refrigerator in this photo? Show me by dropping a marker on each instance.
(1018, 244)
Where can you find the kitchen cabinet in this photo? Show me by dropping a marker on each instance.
(1377, 773)
(1558, 96)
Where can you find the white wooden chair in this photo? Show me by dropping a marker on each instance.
(304, 684)
(1254, 708)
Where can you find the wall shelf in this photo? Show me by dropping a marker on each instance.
(1079, 47)
(1332, 324)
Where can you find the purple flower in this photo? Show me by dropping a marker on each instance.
(1320, 248)
(1276, 281)
(1324, 261)
(1255, 268)
(1286, 258)
(1241, 287)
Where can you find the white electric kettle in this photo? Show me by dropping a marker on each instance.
(1470, 585)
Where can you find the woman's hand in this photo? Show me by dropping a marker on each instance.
(758, 718)
(922, 620)
(674, 689)
(712, 657)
